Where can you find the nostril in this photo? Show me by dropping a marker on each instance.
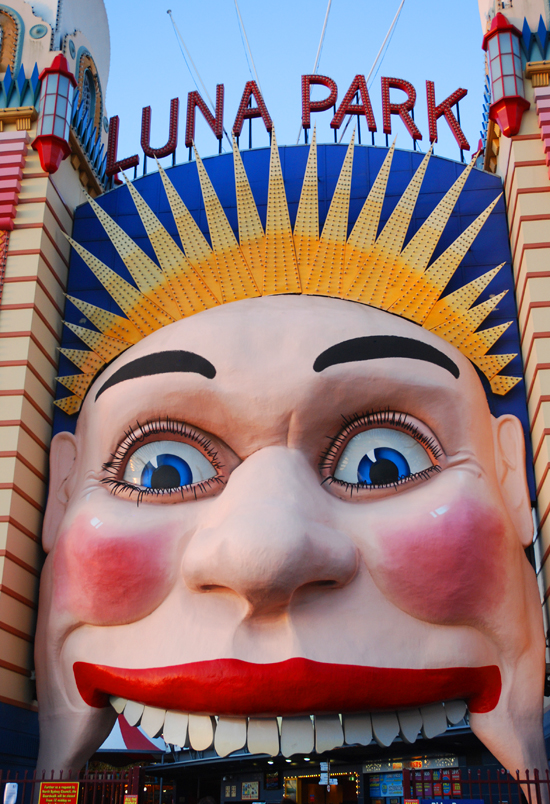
(324, 583)
(211, 587)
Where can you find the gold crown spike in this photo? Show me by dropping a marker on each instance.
(143, 313)
(415, 257)
(77, 383)
(281, 269)
(108, 323)
(251, 231)
(455, 330)
(371, 284)
(196, 248)
(107, 348)
(234, 274)
(417, 303)
(369, 269)
(363, 235)
(147, 276)
(69, 404)
(88, 362)
(325, 278)
(186, 286)
(478, 343)
(306, 227)
(501, 385)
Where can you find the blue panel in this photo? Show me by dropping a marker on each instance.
(489, 249)
(18, 738)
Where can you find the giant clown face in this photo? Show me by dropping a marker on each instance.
(289, 506)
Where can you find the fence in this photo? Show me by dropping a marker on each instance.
(107, 787)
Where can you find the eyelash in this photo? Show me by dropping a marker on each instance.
(138, 436)
(354, 425)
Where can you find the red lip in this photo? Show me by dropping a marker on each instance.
(295, 686)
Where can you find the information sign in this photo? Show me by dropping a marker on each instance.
(58, 793)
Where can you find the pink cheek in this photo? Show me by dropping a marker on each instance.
(442, 566)
(112, 575)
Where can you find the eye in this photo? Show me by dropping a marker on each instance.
(381, 456)
(167, 465)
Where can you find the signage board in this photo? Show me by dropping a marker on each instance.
(58, 793)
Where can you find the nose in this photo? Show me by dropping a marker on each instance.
(270, 534)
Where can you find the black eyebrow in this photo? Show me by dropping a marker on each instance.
(160, 363)
(378, 346)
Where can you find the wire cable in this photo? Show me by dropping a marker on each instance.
(318, 56)
(179, 37)
(389, 37)
(247, 45)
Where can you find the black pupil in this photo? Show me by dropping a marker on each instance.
(165, 477)
(383, 472)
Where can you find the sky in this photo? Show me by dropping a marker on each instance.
(438, 41)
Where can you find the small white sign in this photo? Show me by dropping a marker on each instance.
(324, 778)
(10, 793)
(323, 766)
(334, 781)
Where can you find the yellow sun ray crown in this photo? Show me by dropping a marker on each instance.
(374, 270)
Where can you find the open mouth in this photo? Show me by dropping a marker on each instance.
(294, 706)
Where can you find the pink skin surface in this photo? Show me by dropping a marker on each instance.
(263, 563)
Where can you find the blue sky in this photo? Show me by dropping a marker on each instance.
(440, 41)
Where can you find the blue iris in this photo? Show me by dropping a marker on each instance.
(171, 471)
(389, 467)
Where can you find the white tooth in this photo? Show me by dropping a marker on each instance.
(230, 735)
(263, 736)
(410, 723)
(175, 728)
(385, 727)
(133, 712)
(328, 733)
(152, 720)
(455, 711)
(201, 731)
(434, 721)
(296, 735)
(118, 704)
(358, 729)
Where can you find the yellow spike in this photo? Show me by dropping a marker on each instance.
(375, 279)
(69, 404)
(325, 277)
(108, 323)
(501, 385)
(280, 266)
(88, 362)
(490, 365)
(77, 383)
(234, 274)
(459, 325)
(186, 286)
(460, 300)
(142, 312)
(417, 303)
(363, 235)
(481, 341)
(196, 247)
(147, 276)
(251, 232)
(106, 348)
(306, 227)
(418, 252)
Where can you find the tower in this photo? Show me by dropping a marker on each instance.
(36, 210)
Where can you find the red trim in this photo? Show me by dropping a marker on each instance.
(17, 596)
(24, 496)
(21, 528)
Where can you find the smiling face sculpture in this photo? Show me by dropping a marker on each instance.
(253, 514)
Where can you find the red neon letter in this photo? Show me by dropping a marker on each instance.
(402, 109)
(215, 123)
(309, 106)
(444, 108)
(172, 143)
(347, 107)
(247, 112)
(114, 165)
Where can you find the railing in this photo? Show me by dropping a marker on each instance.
(108, 787)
